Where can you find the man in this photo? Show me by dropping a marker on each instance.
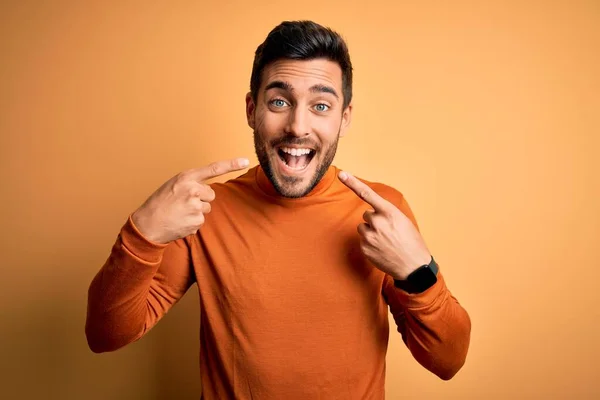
(296, 262)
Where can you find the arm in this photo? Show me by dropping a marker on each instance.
(140, 281)
(433, 325)
(149, 269)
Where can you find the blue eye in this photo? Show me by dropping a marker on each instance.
(278, 103)
(321, 107)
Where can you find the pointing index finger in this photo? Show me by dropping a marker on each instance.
(220, 168)
(363, 191)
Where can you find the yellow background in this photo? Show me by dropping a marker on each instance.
(484, 114)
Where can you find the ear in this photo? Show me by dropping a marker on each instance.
(250, 108)
(346, 118)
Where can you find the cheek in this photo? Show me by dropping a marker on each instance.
(258, 120)
(270, 124)
(327, 127)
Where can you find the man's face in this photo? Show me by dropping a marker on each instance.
(297, 120)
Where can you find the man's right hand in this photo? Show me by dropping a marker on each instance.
(178, 207)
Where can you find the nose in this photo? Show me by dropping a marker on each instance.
(298, 122)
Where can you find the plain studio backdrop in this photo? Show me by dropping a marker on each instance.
(484, 114)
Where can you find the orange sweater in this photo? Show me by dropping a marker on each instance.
(290, 308)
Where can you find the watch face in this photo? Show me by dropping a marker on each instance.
(423, 279)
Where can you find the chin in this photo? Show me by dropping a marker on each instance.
(294, 169)
(295, 179)
(293, 182)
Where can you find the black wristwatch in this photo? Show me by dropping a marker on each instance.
(420, 279)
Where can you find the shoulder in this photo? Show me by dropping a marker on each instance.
(393, 195)
(389, 193)
(239, 184)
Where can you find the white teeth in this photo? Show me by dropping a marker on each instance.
(295, 152)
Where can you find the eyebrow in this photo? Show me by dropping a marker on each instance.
(319, 88)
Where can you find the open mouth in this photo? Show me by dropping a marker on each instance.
(296, 159)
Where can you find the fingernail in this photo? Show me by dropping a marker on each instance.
(343, 175)
(244, 162)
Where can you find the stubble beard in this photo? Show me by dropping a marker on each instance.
(285, 185)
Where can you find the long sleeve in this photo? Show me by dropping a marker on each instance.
(138, 284)
(434, 326)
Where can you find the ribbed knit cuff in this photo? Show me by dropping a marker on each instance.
(138, 245)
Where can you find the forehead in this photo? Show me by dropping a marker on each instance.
(303, 74)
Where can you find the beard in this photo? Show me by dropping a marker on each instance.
(291, 186)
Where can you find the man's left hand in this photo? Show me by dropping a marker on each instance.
(388, 238)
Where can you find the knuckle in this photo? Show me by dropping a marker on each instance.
(182, 183)
(203, 191)
(206, 193)
(214, 168)
(189, 187)
(371, 237)
(193, 190)
(210, 193)
(183, 175)
(364, 247)
(195, 206)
